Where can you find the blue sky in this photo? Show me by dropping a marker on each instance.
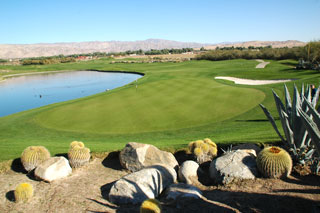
(205, 21)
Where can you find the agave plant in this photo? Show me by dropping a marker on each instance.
(297, 139)
(312, 124)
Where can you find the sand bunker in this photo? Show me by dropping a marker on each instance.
(262, 64)
(252, 82)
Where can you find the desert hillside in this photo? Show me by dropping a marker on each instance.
(49, 49)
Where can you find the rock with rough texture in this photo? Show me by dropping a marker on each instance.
(234, 165)
(182, 190)
(248, 146)
(188, 171)
(52, 169)
(146, 183)
(136, 156)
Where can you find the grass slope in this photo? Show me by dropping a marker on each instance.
(174, 103)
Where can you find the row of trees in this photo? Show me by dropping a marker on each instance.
(74, 57)
(239, 48)
(48, 60)
(309, 55)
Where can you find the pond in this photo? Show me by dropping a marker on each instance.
(26, 92)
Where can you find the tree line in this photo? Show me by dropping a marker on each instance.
(308, 55)
(48, 60)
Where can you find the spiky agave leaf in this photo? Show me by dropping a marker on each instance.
(300, 133)
(316, 97)
(314, 113)
(272, 121)
(312, 129)
(288, 100)
(285, 121)
(287, 130)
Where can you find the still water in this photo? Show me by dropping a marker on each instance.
(31, 91)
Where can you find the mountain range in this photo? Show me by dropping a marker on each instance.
(8, 51)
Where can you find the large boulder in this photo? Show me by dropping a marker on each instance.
(136, 156)
(234, 165)
(146, 183)
(188, 171)
(53, 168)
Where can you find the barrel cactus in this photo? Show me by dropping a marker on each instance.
(274, 162)
(78, 155)
(203, 150)
(23, 192)
(32, 156)
(76, 143)
(150, 206)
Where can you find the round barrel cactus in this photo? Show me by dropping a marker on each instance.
(23, 192)
(78, 156)
(32, 156)
(150, 206)
(274, 162)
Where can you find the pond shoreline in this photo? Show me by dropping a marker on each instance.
(46, 72)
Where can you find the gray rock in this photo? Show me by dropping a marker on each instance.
(136, 156)
(52, 169)
(146, 183)
(182, 190)
(248, 146)
(188, 171)
(234, 165)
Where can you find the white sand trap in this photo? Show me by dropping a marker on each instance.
(262, 64)
(252, 82)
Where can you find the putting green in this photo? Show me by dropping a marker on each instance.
(160, 105)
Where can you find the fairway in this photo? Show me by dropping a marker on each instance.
(171, 105)
(161, 105)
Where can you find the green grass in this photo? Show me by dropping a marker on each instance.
(174, 104)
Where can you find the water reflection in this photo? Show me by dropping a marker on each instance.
(31, 91)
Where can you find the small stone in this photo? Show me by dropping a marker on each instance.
(182, 190)
(188, 171)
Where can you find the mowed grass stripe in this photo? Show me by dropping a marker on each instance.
(160, 105)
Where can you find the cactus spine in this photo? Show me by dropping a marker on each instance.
(274, 162)
(32, 156)
(150, 206)
(78, 154)
(203, 150)
(23, 192)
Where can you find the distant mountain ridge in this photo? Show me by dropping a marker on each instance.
(50, 49)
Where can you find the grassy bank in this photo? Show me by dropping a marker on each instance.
(173, 104)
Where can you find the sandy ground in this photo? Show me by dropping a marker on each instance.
(262, 64)
(86, 190)
(252, 82)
